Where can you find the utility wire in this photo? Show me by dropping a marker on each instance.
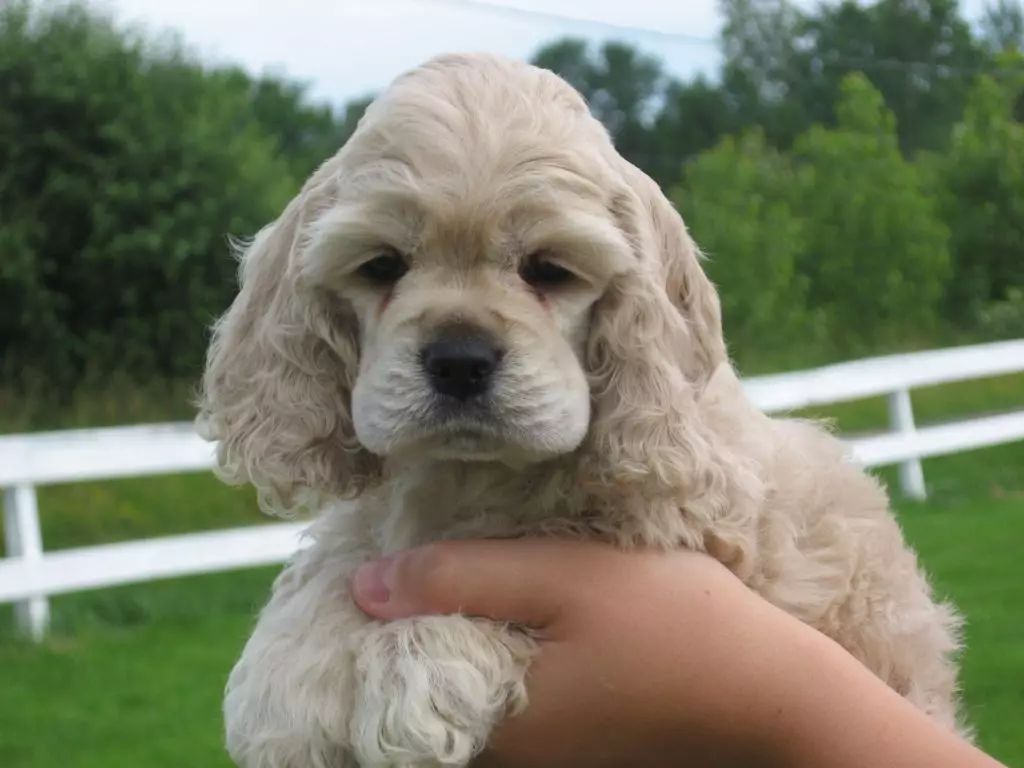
(511, 11)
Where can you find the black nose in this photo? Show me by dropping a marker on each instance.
(461, 364)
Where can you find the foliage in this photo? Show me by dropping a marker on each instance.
(621, 85)
(123, 167)
(737, 200)
(786, 66)
(838, 242)
(1004, 319)
(877, 254)
(305, 134)
(855, 173)
(1002, 25)
(981, 177)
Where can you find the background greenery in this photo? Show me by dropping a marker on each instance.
(855, 174)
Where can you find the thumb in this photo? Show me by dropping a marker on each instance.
(526, 581)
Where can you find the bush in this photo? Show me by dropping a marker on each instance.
(838, 245)
(736, 202)
(982, 183)
(1004, 318)
(126, 165)
(123, 169)
(877, 252)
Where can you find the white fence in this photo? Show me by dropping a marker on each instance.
(28, 575)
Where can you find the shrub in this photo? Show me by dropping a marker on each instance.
(736, 203)
(124, 166)
(877, 251)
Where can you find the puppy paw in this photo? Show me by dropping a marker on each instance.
(430, 689)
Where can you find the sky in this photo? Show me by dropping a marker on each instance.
(349, 48)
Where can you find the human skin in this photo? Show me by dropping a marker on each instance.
(660, 659)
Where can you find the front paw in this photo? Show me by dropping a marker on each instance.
(430, 689)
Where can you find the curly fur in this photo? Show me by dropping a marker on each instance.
(617, 414)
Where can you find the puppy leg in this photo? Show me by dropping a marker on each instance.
(430, 689)
(290, 696)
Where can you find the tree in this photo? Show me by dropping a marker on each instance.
(760, 80)
(694, 117)
(351, 115)
(736, 202)
(124, 168)
(982, 181)
(1002, 26)
(877, 254)
(306, 133)
(920, 54)
(622, 87)
(784, 68)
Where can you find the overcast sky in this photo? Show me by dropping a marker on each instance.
(347, 48)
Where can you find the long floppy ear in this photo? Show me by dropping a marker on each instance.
(282, 362)
(655, 341)
(678, 258)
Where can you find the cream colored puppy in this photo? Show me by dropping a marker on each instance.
(477, 319)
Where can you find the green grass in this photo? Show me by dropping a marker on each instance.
(133, 676)
(146, 693)
(972, 551)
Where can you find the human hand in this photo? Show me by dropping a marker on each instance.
(659, 659)
(644, 656)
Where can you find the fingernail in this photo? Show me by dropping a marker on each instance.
(372, 581)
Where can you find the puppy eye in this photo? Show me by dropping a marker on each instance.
(538, 271)
(386, 269)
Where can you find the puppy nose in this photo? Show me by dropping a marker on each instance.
(461, 364)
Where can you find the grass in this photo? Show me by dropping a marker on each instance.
(133, 676)
(964, 547)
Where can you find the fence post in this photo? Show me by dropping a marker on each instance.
(23, 539)
(901, 419)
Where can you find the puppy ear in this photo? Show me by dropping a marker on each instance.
(654, 343)
(276, 393)
(661, 236)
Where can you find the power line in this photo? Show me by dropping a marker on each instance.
(516, 12)
(512, 11)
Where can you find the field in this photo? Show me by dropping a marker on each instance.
(133, 676)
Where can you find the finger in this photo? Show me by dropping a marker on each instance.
(519, 580)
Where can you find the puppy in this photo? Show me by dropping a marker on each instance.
(477, 319)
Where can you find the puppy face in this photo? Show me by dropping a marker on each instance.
(471, 269)
(476, 275)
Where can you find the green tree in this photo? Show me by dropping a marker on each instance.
(306, 133)
(981, 177)
(760, 73)
(1002, 26)
(877, 254)
(736, 202)
(920, 54)
(784, 67)
(124, 167)
(351, 115)
(694, 117)
(622, 86)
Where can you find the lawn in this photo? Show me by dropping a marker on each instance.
(133, 676)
